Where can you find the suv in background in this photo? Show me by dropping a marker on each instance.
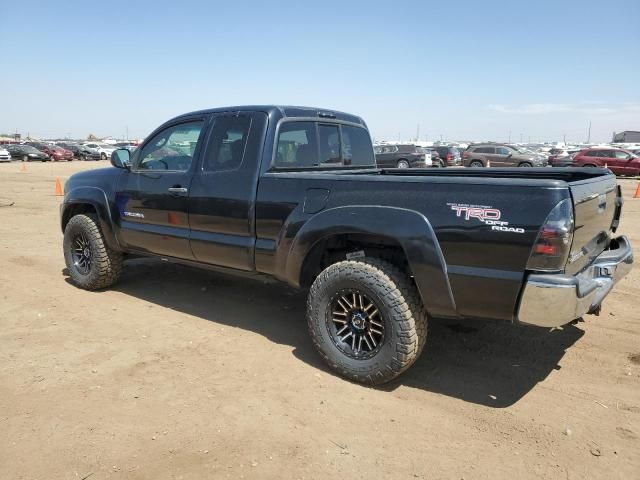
(104, 149)
(501, 155)
(449, 156)
(402, 156)
(619, 161)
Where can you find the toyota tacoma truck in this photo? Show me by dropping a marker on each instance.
(294, 193)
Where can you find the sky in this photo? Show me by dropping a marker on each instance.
(474, 70)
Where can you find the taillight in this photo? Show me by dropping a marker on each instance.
(553, 243)
(449, 156)
(465, 154)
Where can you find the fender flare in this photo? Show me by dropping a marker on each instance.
(96, 198)
(409, 228)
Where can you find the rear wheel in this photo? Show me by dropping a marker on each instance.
(91, 263)
(366, 320)
(403, 164)
(25, 158)
(476, 164)
(525, 164)
(103, 156)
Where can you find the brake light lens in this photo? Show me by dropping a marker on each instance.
(465, 154)
(553, 243)
(449, 156)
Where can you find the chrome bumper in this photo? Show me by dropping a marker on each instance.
(552, 300)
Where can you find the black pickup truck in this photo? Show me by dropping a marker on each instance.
(294, 193)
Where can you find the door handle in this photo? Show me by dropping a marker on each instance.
(178, 190)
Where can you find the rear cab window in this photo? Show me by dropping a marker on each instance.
(305, 144)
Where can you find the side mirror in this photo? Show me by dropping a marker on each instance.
(121, 158)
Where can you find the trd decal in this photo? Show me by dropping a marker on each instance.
(487, 215)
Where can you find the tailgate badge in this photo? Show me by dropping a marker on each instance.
(602, 203)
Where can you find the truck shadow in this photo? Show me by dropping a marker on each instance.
(488, 363)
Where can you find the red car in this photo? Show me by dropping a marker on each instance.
(619, 161)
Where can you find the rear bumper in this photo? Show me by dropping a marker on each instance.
(552, 300)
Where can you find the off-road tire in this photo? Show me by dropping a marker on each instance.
(397, 298)
(106, 263)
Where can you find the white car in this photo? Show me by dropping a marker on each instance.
(104, 149)
(5, 156)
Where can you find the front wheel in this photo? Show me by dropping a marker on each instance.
(91, 263)
(366, 320)
(403, 164)
(476, 164)
(525, 164)
(25, 158)
(103, 156)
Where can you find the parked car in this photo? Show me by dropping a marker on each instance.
(401, 156)
(381, 251)
(619, 161)
(81, 152)
(501, 155)
(59, 154)
(449, 156)
(436, 161)
(5, 156)
(26, 153)
(104, 149)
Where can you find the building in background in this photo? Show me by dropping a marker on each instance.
(627, 136)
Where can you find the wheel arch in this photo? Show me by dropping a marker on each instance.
(90, 200)
(403, 237)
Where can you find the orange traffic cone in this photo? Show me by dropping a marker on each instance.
(637, 194)
(58, 188)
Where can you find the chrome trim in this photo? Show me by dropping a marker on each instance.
(552, 300)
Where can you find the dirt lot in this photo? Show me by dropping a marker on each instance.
(181, 373)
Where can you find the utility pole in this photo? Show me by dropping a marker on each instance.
(127, 130)
(418, 133)
(564, 138)
(589, 132)
(509, 137)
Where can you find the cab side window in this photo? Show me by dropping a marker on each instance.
(172, 149)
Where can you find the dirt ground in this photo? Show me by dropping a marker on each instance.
(187, 374)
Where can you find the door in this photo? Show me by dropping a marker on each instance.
(620, 162)
(221, 201)
(502, 158)
(153, 198)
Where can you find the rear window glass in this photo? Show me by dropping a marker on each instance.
(356, 146)
(297, 145)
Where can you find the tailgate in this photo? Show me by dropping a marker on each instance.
(596, 203)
